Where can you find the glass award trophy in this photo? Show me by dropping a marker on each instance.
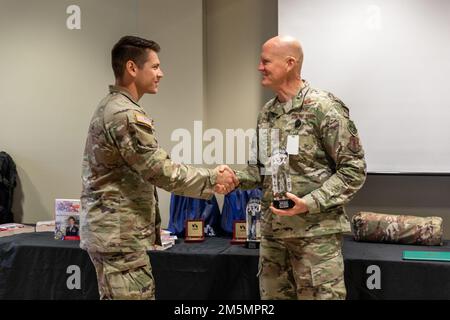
(281, 180)
(253, 218)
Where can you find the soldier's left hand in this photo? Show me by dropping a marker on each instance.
(299, 208)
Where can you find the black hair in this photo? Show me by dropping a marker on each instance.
(131, 48)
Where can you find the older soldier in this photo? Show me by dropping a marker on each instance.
(300, 255)
(122, 166)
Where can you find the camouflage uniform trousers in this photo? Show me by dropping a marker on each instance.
(124, 276)
(302, 268)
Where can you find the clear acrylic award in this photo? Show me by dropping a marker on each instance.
(281, 180)
(253, 218)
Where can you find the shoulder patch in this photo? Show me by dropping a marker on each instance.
(354, 144)
(352, 128)
(142, 119)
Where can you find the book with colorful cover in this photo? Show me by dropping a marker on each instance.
(67, 219)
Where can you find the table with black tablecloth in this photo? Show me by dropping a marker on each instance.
(400, 279)
(35, 266)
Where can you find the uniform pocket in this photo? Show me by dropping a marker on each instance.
(141, 283)
(327, 271)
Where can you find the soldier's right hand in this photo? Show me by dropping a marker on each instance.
(226, 180)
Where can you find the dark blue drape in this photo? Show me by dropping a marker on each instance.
(234, 206)
(184, 208)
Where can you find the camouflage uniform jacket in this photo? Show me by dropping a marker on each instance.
(327, 171)
(122, 164)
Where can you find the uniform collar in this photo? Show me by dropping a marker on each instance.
(123, 91)
(296, 102)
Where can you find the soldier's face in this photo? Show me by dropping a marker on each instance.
(272, 67)
(148, 77)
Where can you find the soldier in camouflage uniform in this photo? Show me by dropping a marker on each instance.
(300, 254)
(122, 166)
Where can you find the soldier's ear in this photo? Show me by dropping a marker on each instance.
(131, 68)
(290, 62)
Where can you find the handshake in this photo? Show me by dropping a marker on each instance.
(226, 179)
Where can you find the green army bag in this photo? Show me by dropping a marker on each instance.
(390, 228)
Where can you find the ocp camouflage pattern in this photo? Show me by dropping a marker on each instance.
(327, 171)
(390, 228)
(124, 276)
(122, 166)
(302, 268)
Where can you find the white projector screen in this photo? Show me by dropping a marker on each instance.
(389, 61)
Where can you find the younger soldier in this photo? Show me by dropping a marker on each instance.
(122, 166)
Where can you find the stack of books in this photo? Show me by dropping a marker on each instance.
(167, 241)
(10, 229)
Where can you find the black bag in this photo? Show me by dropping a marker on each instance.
(8, 176)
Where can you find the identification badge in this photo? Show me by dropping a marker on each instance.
(292, 145)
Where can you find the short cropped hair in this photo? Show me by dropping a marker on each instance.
(130, 48)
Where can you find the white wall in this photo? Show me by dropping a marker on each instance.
(388, 60)
(235, 32)
(53, 78)
(178, 27)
